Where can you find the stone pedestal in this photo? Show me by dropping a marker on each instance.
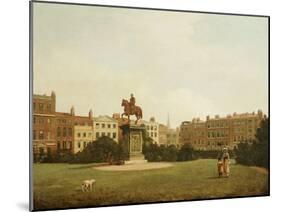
(132, 135)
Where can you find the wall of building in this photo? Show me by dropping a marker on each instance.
(83, 135)
(216, 132)
(44, 140)
(105, 126)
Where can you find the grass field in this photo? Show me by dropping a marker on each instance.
(58, 185)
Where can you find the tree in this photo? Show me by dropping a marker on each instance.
(104, 149)
(255, 152)
(186, 153)
(261, 147)
(169, 153)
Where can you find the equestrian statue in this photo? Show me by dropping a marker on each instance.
(130, 108)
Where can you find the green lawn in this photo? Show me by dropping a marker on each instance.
(58, 185)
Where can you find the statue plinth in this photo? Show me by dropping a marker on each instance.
(133, 142)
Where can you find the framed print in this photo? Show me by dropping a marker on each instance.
(139, 105)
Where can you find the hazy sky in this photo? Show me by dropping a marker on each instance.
(185, 64)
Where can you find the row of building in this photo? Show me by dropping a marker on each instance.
(67, 132)
(213, 133)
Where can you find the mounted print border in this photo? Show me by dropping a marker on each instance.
(132, 105)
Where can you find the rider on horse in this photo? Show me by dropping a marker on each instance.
(132, 104)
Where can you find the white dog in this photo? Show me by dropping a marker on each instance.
(87, 185)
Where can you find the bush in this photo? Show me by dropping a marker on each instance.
(103, 149)
(255, 153)
(187, 153)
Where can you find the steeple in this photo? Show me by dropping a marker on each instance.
(72, 112)
(91, 114)
(168, 121)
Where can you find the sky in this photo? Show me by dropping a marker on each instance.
(178, 63)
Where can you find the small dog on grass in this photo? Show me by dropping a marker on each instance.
(87, 185)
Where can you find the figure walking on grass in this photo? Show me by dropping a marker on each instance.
(223, 163)
(226, 161)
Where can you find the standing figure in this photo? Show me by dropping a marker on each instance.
(226, 161)
(132, 104)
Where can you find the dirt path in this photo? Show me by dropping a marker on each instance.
(131, 167)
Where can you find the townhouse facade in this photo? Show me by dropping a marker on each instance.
(105, 126)
(152, 128)
(213, 133)
(54, 132)
(44, 131)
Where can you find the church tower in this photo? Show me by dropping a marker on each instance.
(72, 112)
(168, 122)
(91, 114)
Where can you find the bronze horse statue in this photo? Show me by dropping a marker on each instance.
(127, 111)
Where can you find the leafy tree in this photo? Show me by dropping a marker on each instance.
(255, 153)
(104, 149)
(186, 153)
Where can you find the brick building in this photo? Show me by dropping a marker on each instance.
(44, 131)
(67, 130)
(53, 132)
(216, 132)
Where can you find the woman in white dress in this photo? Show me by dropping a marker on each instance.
(226, 161)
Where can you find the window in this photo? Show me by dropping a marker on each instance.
(70, 131)
(79, 145)
(41, 135)
(34, 106)
(41, 121)
(109, 126)
(108, 135)
(58, 132)
(97, 125)
(49, 107)
(41, 107)
(48, 121)
(64, 132)
(147, 127)
(85, 144)
(155, 127)
(114, 135)
(102, 125)
(114, 125)
(78, 135)
(151, 134)
(58, 144)
(155, 134)
(97, 134)
(151, 128)
(84, 135)
(103, 134)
